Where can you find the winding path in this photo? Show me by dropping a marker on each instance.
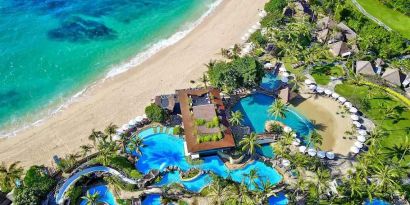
(71, 180)
(364, 12)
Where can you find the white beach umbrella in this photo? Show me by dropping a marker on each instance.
(362, 132)
(354, 149)
(358, 144)
(125, 127)
(144, 116)
(287, 129)
(308, 82)
(335, 95)
(319, 90)
(244, 38)
(328, 92)
(116, 137)
(330, 155)
(139, 119)
(268, 65)
(285, 162)
(256, 26)
(294, 135)
(321, 154)
(361, 138)
(247, 35)
(302, 149)
(296, 142)
(357, 124)
(285, 74)
(348, 104)
(342, 99)
(353, 110)
(259, 24)
(282, 68)
(311, 152)
(312, 87)
(251, 30)
(285, 79)
(354, 117)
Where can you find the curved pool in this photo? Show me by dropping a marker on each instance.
(270, 81)
(163, 150)
(105, 195)
(255, 111)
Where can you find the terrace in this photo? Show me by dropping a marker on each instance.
(203, 115)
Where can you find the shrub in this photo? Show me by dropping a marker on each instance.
(155, 113)
(200, 122)
(178, 130)
(214, 123)
(275, 5)
(37, 179)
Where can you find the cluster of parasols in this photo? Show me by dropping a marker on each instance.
(255, 27)
(362, 133)
(131, 124)
(283, 72)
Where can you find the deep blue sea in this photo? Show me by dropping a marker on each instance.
(52, 49)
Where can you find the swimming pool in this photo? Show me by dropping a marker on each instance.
(152, 199)
(376, 202)
(163, 150)
(266, 150)
(105, 195)
(255, 111)
(270, 81)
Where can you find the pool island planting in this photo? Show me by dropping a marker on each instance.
(284, 118)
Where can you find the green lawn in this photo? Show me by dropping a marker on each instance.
(394, 19)
(322, 74)
(378, 102)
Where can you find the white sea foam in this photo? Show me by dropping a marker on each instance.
(135, 61)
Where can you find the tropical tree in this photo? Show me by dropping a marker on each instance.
(211, 64)
(95, 136)
(9, 175)
(217, 192)
(275, 128)
(91, 199)
(277, 109)
(236, 118)
(322, 180)
(399, 151)
(111, 130)
(205, 80)
(387, 177)
(249, 144)
(85, 150)
(136, 144)
(252, 177)
(315, 139)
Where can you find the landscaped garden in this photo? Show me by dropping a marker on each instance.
(323, 74)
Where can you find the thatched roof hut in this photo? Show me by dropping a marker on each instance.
(394, 76)
(365, 68)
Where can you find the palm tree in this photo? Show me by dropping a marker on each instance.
(91, 199)
(217, 192)
(399, 151)
(322, 180)
(267, 189)
(249, 144)
(277, 109)
(236, 118)
(85, 149)
(252, 176)
(110, 130)
(106, 151)
(205, 80)
(136, 144)
(387, 177)
(8, 176)
(315, 138)
(211, 64)
(225, 53)
(95, 136)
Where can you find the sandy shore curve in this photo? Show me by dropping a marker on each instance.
(125, 96)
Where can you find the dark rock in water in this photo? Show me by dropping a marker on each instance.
(77, 29)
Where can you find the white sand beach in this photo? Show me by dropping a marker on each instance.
(125, 96)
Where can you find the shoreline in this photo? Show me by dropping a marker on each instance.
(125, 96)
(38, 117)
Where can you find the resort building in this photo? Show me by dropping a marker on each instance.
(346, 31)
(3, 199)
(365, 68)
(206, 127)
(325, 23)
(168, 102)
(394, 76)
(379, 63)
(340, 48)
(406, 82)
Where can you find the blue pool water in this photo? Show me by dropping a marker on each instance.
(270, 81)
(280, 199)
(105, 195)
(254, 109)
(51, 49)
(152, 199)
(266, 150)
(163, 150)
(376, 202)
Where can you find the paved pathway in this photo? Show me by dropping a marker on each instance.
(364, 12)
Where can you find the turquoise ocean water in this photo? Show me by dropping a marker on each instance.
(51, 49)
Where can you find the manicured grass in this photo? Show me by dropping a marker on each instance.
(394, 19)
(379, 101)
(322, 74)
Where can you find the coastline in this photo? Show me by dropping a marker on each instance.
(38, 117)
(125, 96)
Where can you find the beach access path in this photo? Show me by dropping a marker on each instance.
(125, 96)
